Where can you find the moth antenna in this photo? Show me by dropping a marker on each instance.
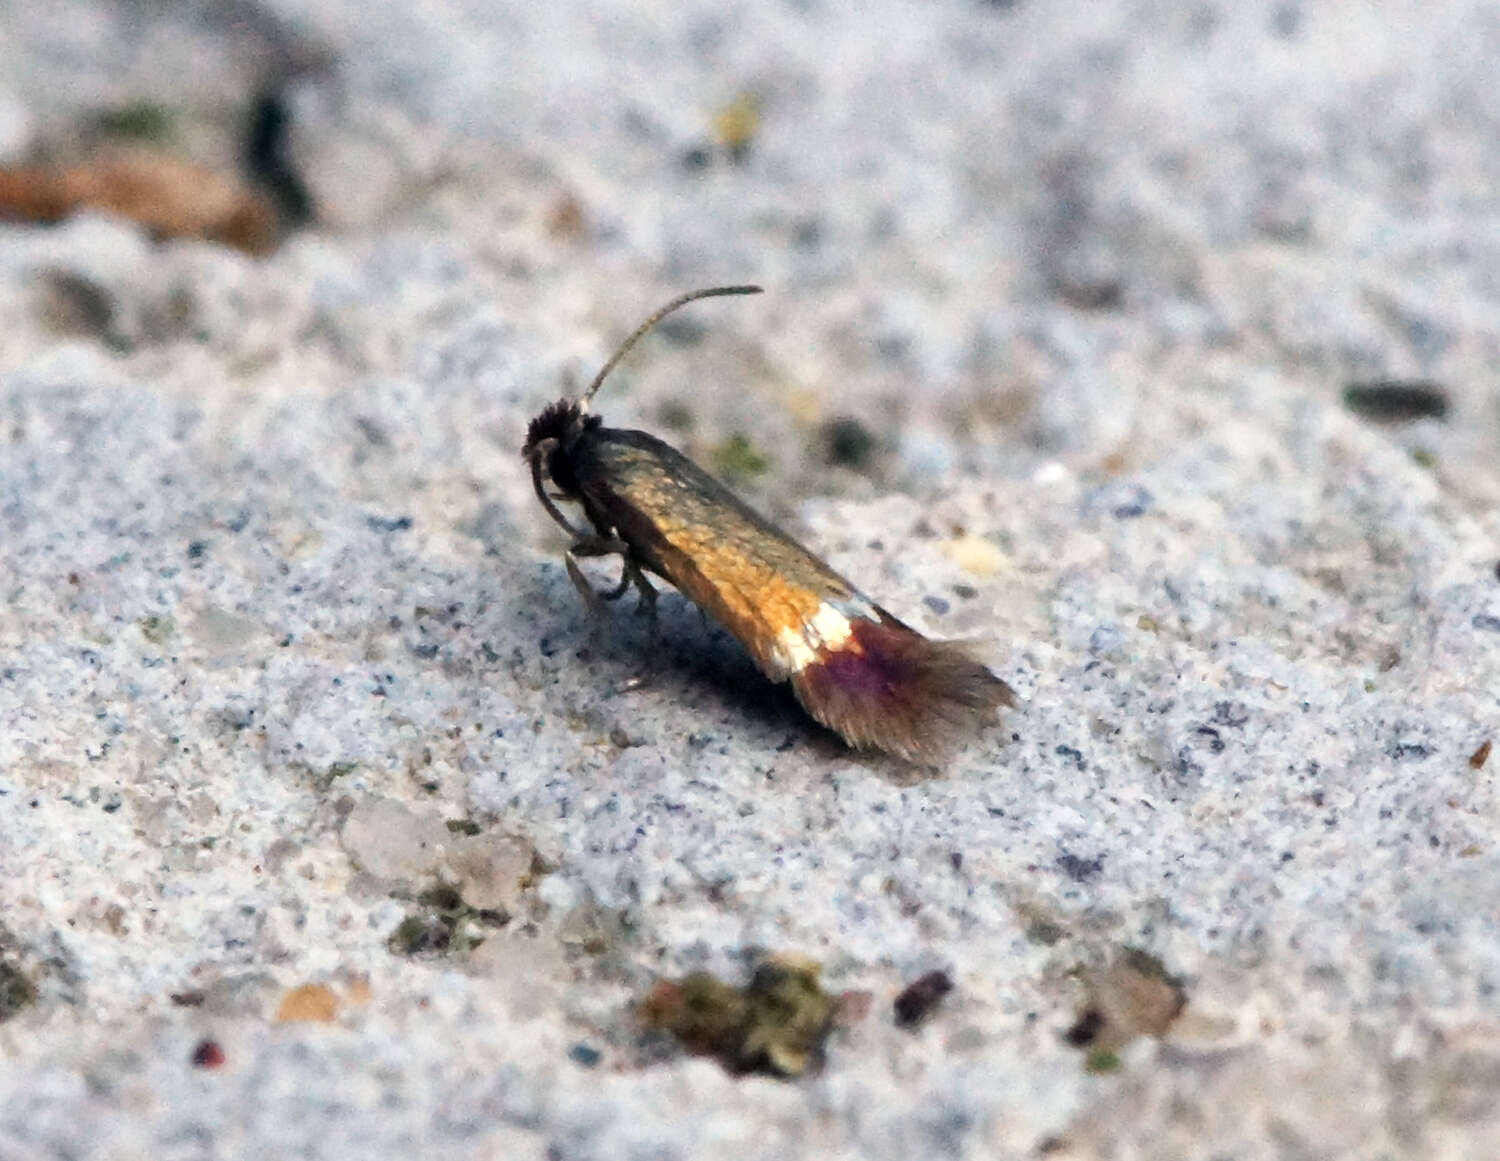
(640, 331)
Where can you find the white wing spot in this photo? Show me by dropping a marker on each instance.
(796, 649)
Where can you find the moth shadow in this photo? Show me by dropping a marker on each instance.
(700, 666)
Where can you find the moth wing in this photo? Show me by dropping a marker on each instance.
(855, 668)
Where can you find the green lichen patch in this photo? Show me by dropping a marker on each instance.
(443, 924)
(738, 459)
(17, 992)
(776, 1024)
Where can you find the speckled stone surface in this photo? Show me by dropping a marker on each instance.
(286, 642)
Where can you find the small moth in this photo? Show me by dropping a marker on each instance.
(854, 667)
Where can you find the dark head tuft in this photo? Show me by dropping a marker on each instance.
(560, 421)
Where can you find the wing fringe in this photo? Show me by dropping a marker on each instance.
(890, 688)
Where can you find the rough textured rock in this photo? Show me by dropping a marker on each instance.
(284, 636)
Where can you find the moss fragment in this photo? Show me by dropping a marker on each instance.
(17, 992)
(776, 1024)
(157, 629)
(1101, 1062)
(738, 459)
(443, 924)
(136, 121)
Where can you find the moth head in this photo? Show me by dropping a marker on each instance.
(550, 438)
(552, 434)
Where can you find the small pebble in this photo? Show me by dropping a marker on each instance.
(918, 999)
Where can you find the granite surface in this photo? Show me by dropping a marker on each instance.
(332, 825)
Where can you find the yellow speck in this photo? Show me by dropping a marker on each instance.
(803, 404)
(975, 555)
(735, 125)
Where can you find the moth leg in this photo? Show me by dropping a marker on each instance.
(646, 605)
(635, 575)
(597, 546)
(623, 587)
(581, 582)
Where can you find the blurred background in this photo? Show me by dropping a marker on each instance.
(997, 237)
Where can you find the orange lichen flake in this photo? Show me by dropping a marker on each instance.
(310, 1003)
(169, 196)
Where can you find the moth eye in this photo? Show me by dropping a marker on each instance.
(560, 468)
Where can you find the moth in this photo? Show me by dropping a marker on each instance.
(854, 667)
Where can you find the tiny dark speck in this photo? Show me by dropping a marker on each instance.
(388, 523)
(1133, 504)
(936, 604)
(1074, 756)
(547, 646)
(196, 549)
(920, 997)
(807, 234)
(847, 442)
(1078, 869)
(268, 158)
(1085, 1029)
(1396, 400)
(1487, 621)
(584, 1054)
(1231, 713)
